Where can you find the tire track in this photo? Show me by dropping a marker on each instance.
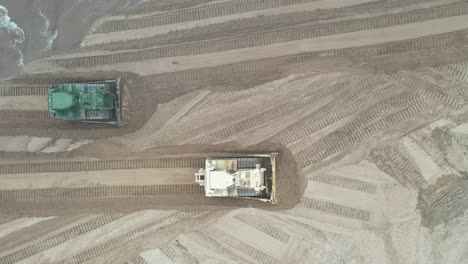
(392, 161)
(223, 72)
(60, 238)
(24, 90)
(102, 165)
(261, 224)
(105, 191)
(191, 14)
(336, 209)
(117, 242)
(263, 38)
(351, 134)
(343, 105)
(24, 115)
(346, 182)
(232, 242)
(266, 116)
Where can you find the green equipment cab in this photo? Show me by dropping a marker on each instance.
(92, 102)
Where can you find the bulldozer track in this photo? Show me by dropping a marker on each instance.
(249, 67)
(408, 169)
(210, 100)
(129, 237)
(312, 125)
(381, 158)
(460, 71)
(460, 138)
(102, 165)
(366, 117)
(4, 220)
(336, 209)
(430, 92)
(426, 144)
(440, 77)
(154, 6)
(263, 38)
(191, 14)
(439, 96)
(346, 182)
(249, 25)
(464, 93)
(452, 71)
(60, 238)
(391, 161)
(231, 242)
(209, 242)
(169, 252)
(136, 260)
(326, 115)
(264, 117)
(461, 77)
(24, 115)
(440, 197)
(107, 191)
(24, 90)
(394, 118)
(148, 7)
(259, 223)
(316, 153)
(401, 77)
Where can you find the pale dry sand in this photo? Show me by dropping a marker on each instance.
(37, 144)
(341, 41)
(96, 39)
(429, 169)
(111, 230)
(24, 103)
(20, 223)
(396, 196)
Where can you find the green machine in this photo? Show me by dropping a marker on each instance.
(92, 102)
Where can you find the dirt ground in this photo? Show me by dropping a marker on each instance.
(365, 101)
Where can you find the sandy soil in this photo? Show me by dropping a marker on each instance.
(95, 38)
(98, 178)
(24, 103)
(342, 41)
(365, 101)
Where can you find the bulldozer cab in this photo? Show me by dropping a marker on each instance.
(91, 102)
(62, 101)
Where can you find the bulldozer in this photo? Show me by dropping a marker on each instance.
(90, 102)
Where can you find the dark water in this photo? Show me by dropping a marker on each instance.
(32, 29)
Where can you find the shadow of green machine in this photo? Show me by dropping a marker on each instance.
(90, 102)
